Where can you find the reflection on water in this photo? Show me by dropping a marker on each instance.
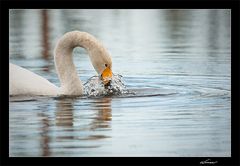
(71, 130)
(45, 33)
(103, 114)
(45, 139)
(64, 113)
(177, 61)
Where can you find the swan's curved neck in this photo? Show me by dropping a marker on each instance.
(67, 73)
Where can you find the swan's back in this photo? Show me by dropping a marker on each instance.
(25, 82)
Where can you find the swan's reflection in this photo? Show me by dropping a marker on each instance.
(64, 113)
(103, 114)
(74, 120)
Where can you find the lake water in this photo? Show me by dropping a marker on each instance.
(177, 61)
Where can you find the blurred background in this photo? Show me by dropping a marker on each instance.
(129, 35)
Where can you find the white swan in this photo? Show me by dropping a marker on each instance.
(25, 82)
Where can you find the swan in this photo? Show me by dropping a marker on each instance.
(25, 82)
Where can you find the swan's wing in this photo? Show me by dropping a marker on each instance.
(25, 82)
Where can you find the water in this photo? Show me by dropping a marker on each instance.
(95, 87)
(178, 63)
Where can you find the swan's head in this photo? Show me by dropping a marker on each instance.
(103, 65)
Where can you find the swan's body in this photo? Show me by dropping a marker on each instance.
(25, 82)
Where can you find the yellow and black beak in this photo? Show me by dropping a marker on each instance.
(106, 75)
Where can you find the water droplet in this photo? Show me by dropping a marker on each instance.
(95, 87)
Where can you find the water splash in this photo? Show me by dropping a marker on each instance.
(95, 87)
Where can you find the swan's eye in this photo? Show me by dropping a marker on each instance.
(106, 65)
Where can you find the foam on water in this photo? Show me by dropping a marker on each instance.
(95, 87)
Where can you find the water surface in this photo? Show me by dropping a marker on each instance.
(177, 61)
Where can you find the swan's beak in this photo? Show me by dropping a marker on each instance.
(106, 75)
